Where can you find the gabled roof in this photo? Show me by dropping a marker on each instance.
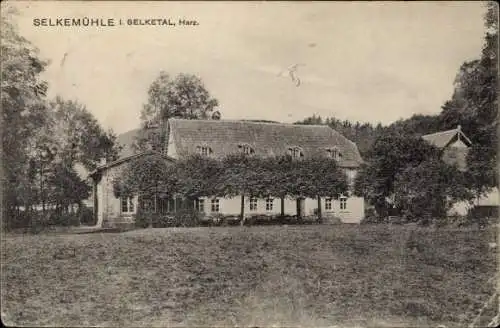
(444, 138)
(266, 139)
(128, 158)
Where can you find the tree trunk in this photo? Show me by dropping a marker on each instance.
(299, 208)
(282, 206)
(151, 214)
(242, 210)
(320, 217)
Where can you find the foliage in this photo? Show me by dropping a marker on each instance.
(185, 218)
(23, 111)
(474, 105)
(65, 187)
(144, 219)
(236, 174)
(391, 154)
(417, 125)
(184, 96)
(182, 218)
(77, 135)
(71, 137)
(42, 141)
(200, 176)
(86, 215)
(427, 190)
(244, 175)
(319, 176)
(149, 175)
(363, 134)
(481, 175)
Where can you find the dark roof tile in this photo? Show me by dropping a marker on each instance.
(267, 139)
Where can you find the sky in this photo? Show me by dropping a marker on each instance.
(361, 61)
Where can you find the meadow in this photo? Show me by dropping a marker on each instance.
(308, 276)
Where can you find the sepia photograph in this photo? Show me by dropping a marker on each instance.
(249, 164)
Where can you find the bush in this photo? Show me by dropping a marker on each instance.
(221, 220)
(162, 220)
(143, 219)
(182, 218)
(371, 217)
(21, 220)
(64, 219)
(332, 220)
(187, 218)
(86, 215)
(39, 221)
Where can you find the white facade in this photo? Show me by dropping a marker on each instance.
(348, 209)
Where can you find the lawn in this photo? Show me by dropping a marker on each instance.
(338, 275)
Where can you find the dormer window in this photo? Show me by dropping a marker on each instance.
(334, 153)
(204, 150)
(246, 149)
(295, 152)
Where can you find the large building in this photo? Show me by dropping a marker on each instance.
(218, 138)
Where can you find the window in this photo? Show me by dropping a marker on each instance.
(204, 150)
(343, 203)
(328, 204)
(269, 204)
(334, 153)
(127, 205)
(253, 204)
(246, 149)
(215, 205)
(147, 205)
(295, 152)
(200, 205)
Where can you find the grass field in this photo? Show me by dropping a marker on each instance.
(250, 276)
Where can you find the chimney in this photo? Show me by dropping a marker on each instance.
(459, 127)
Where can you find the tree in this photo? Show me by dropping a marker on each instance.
(241, 177)
(78, 136)
(428, 189)
(23, 111)
(65, 187)
(474, 105)
(416, 125)
(200, 177)
(184, 96)
(362, 134)
(149, 177)
(390, 155)
(480, 177)
(320, 177)
(70, 136)
(281, 178)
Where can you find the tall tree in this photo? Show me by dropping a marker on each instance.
(78, 136)
(184, 96)
(390, 155)
(474, 105)
(23, 111)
